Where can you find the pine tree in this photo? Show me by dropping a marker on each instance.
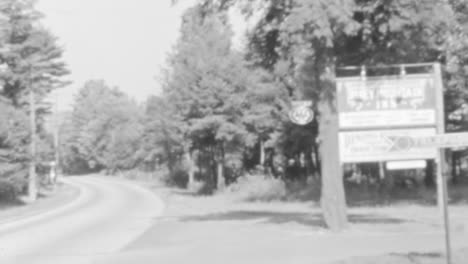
(32, 68)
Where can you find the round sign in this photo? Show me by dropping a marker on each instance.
(301, 115)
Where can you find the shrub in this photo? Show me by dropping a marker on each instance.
(9, 190)
(256, 188)
(178, 178)
(304, 191)
(199, 187)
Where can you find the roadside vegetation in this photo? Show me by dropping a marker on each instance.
(218, 135)
(30, 62)
(220, 124)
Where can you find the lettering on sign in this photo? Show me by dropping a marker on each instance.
(450, 140)
(386, 101)
(301, 113)
(382, 145)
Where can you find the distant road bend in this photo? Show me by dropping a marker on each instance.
(108, 215)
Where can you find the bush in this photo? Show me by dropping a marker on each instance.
(304, 191)
(256, 188)
(8, 190)
(178, 178)
(199, 187)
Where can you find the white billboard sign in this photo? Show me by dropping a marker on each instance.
(388, 101)
(384, 145)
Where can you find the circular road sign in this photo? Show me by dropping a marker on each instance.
(301, 115)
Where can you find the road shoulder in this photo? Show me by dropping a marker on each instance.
(48, 200)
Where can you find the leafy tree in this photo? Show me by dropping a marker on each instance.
(225, 104)
(105, 128)
(31, 54)
(31, 65)
(13, 149)
(210, 101)
(164, 134)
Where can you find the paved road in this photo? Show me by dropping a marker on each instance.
(107, 216)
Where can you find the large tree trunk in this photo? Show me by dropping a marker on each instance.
(333, 200)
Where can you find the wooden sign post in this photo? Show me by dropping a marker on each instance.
(442, 184)
(396, 118)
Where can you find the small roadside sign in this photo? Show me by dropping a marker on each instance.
(449, 140)
(301, 114)
(406, 164)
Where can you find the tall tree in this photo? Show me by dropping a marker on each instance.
(217, 94)
(105, 128)
(32, 68)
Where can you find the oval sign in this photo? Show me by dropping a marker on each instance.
(301, 115)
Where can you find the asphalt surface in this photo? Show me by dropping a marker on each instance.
(107, 215)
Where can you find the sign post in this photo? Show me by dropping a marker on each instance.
(442, 184)
(397, 118)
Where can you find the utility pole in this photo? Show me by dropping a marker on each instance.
(32, 185)
(56, 137)
(442, 192)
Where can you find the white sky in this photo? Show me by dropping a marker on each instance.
(123, 42)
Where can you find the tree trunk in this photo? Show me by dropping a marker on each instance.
(262, 153)
(191, 169)
(381, 170)
(455, 166)
(333, 200)
(429, 177)
(316, 160)
(220, 176)
(221, 182)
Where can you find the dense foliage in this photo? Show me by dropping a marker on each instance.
(103, 132)
(222, 112)
(30, 60)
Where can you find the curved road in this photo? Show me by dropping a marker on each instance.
(107, 215)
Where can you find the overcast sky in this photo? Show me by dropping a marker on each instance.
(124, 42)
(121, 41)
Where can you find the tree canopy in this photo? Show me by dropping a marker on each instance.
(30, 61)
(222, 112)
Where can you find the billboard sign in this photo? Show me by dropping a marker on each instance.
(388, 101)
(450, 140)
(385, 145)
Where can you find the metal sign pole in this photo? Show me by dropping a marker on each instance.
(442, 196)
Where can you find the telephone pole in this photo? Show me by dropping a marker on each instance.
(32, 181)
(56, 137)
